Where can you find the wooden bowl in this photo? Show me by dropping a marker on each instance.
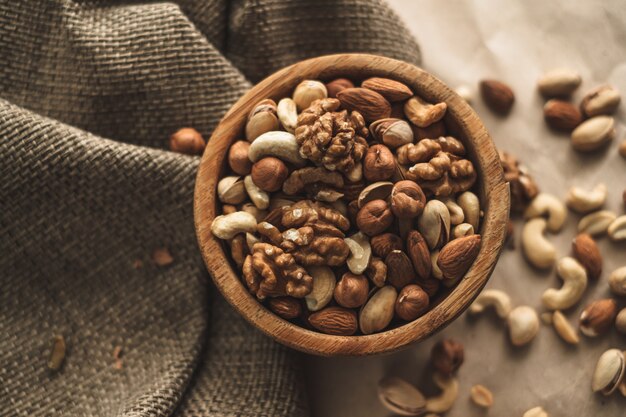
(462, 122)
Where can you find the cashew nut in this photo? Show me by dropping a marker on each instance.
(228, 226)
(523, 325)
(617, 229)
(535, 412)
(617, 281)
(287, 114)
(260, 198)
(456, 211)
(280, 144)
(539, 251)
(584, 201)
(251, 239)
(596, 223)
(468, 201)
(574, 279)
(231, 190)
(496, 298)
(254, 210)
(547, 204)
(323, 287)
(449, 392)
(360, 252)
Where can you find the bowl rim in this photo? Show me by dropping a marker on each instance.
(494, 190)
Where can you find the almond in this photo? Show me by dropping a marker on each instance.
(369, 103)
(399, 269)
(390, 89)
(334, 320)
(587, 253)
(598, 317)
(561, 115)
(456, 257)
(417, 249)
(382, 245)
(337, 85)
(286, 307)
(498, 96)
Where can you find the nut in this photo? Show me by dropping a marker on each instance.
(407, 199)
(360, 253)
(523, 325)
(456, 212)
(539, 251)
(370, 104)
(400, 397)
(379, 163)
(377, 191)
(617, 229)
(464, 229)
(547, 205)
(261, 119)
(337, 85)
(231, 190)
(377, 272)
(449, 392)
(390, 89)
(535, 412)
(481, 396)
(307, 92)
(57, 353)
(496, 298)
(417, 249)
(303, 177)
(286, 307)
(351, 291)
(238, 159)
(597, 318)
(188, 141)
(456, 257)
(596, 223)
(622, 152)
(383, 244)
(423, 114)
(374, 218)
(411, 303)
(587, 253)
(337, 321)
(282, 145)
(399, 269)
(447, 356)
(617, 281)
(574, 279)
(323, 287)
(229, 225)
(434, 257)
(609, 372)
(620, 321)
(522, 184)
(392, 132)
(269, 174)
(287, 114)
(564, 328)
(601, 100)
(561, 115)
(497, 96)
(584, 201)
(465, 92)
(560, 82)
(434, 224)
(237, 250)
(260, 198)
(377, 313)
(435, 130)
(469, 203)
(593, 133)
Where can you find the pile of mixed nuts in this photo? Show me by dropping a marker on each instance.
(347, 208)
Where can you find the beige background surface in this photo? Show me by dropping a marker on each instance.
(463, 42)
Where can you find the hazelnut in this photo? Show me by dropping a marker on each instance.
(269, 174)
(351, 291)
(411, 303)
(383, 244)
(374, 218)
(337, 85)
(188, 141)
(377, 272)
(238, 159)
(447, 356)
(307, 92)
(379, 163)
(407, 199)
(597, 318)
(286, 307)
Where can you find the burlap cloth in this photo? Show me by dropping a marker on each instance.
(89, 93)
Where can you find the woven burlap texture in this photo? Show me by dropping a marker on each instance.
(89, 93)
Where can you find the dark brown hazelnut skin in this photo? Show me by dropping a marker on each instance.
(447, 356)
(383, 244)
(374, 218)
(351, 291)
(411, 303)
(337, 85)
(238, 159)
(407, 199)
(188, 141)
(269, 174)
(379, 163)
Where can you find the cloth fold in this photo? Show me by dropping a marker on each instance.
(89, 93)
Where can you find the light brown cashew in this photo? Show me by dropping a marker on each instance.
(276, 143)
(586, 201)
(449, 392)
(260, 198)
(574, 279)
(617, 281)
(287, 114)
(360, 252)
(228, 226)
(539, 251)
(550, 206)
(535, 412)
(496, 298)
(323, 286)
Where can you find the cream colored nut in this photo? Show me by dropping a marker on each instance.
(601, 100)
(617, 229)
(378, 312)
(593, 133)
(586, 201)
(500, 301)
(620, 321)
(456, 212)
(536, 412)
(462, 230)
(574, 279)
(380, 190)
(423, 114)
(481, 396)
(400, 397)
(260, 198)
(523, 325)
(617, 281)
(547, 205)
(558, 82)
(360, 253)
(281, 145)
(307, 92)
(251, 239)
(227, 226)
(287, 114)
(539, 251)
(609, 372)
(596, 223)
(449, 387)
(392, 132)
(465, 92)
(469, 203)
(231, 190)
(261, 119)
(258, 214)
(356, 174)
(434, 224)
(436, 271)
(564, 328)
(323, 287)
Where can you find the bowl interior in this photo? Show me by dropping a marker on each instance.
(462, 122)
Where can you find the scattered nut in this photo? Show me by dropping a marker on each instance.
(564, 328)
(337, 321)
(536, 412)
(597, 318)
(286, 307)
(609, 372)
(560, 82)
(481, 396)
(411, 303)
(400, 397)
(593, 133)
(496, 298)
(584, 201)
(447, 356)
(57, 354)
(307, 92)
(379, 163)
(550, 206)
(617, 281)
(601, 100)
(449, 392)
(523, 187)
(539, 251)
(620, 321)
(497, 96)
(523, 325)
(422, 113)
(587, 253)
(351, 290)
(561, 115)
(162, 257)
(377, 313)
(465, 92)
(188, 141)
(596, 223)
(617, 229)
(574, 279)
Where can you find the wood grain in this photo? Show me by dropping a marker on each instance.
(466, 125)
